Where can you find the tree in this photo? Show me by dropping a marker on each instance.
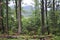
(47, 17)
(19, 16)
(0, 14)
(6, 16)
(53, 14)
(42, 16)
(55, 20)
(16, 8)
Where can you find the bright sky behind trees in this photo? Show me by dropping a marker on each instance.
(24, 3)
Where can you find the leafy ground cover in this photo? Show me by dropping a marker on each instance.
(57, 38)
(26, 37)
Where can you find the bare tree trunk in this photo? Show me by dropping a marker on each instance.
(16, 8)
(19, 16)
(55, 20)
(42, 15)
(0, 15)
(6, 16)
(46, 17)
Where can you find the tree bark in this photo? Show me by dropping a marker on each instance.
(55, 20)
(42, 15)
(19, 17)
(16, 8)
(47, 17)
(0, 15)
(6, 16)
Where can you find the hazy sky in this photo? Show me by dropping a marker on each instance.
(11, 3)
(27, 2)
(24, 3)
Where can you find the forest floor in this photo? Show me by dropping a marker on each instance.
(19, 39)
(56, 38)
(27, 37)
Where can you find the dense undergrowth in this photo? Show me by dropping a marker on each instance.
(27, 37)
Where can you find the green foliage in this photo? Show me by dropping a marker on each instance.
(56, 38)
(31, 24)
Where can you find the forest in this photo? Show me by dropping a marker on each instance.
(22, 20)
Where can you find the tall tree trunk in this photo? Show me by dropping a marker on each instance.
(19, 16)
(6, 16)
(42, 15)
(46, 17)
(55, 20)
(0, 14)
(2, 17)
(2, 21)
(16, 8)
